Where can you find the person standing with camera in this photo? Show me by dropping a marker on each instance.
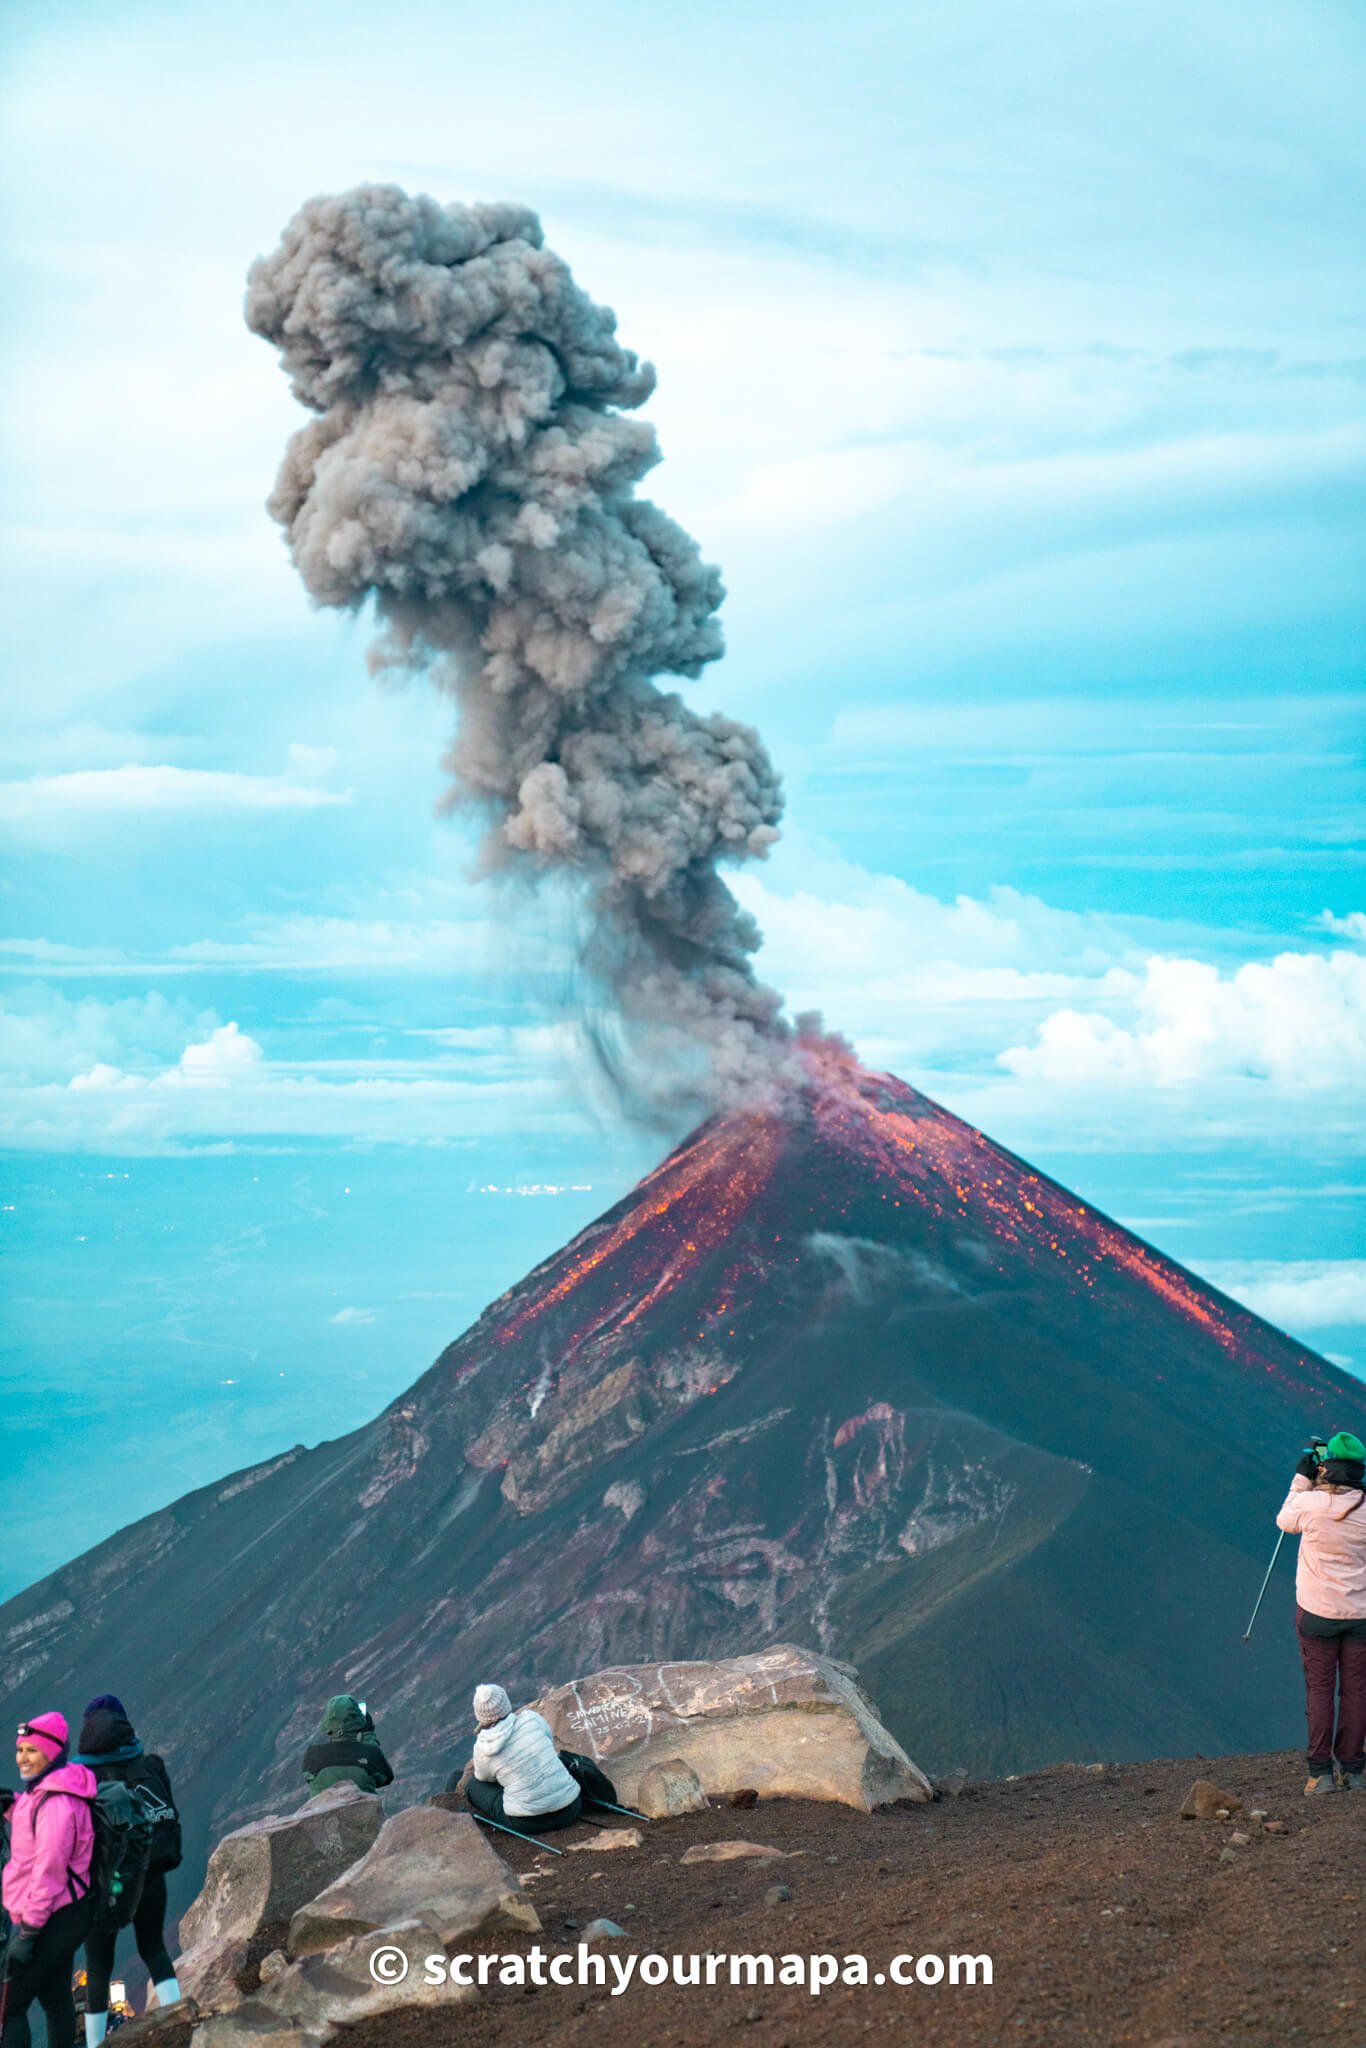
(1326, 1509)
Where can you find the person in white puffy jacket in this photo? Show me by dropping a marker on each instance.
(517, 1776)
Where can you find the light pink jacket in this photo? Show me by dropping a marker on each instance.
(52, 1838)
(1331, 1576)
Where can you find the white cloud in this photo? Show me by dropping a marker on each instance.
(1295, 1294)
(294, 944)
(1298, 1021)
(224, 1058)
(45, 1035)
(134, 787)
(1352, 926)
(223, 1089)
(347, 1317)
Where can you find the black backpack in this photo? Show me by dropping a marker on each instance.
(595, 1787)
(123, 1847)
(146, 1779)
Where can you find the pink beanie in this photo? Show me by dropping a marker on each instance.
(47, 1732)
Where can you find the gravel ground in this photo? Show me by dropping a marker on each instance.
(1108, 1920)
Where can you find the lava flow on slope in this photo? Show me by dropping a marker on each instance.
(848, 1374)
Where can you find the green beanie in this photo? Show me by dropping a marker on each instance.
(1345, 1445)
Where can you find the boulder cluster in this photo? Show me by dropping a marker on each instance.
(282, 1943)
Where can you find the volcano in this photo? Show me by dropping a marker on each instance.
(847, 1375)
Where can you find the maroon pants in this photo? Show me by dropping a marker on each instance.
(1335, 1695)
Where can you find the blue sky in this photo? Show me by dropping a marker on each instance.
(1011, 363)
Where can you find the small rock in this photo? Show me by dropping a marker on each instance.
(1239, 1840)
(952, 1783)
(1222, 1813)
(1259, 1813)
(668, 1788)
(745, 1798)
(1228, 1856)
(832, 1859)
(1095, 1769)
(726, 1852)
(603, 1930)
(777, 1895)
(608, 1838)
(272, 1964)
(1275, 1827)
(1205, 1801)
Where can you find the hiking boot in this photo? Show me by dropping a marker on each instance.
(1354, 1781)
(1315, 1788)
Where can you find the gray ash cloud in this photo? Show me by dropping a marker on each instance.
(472, 469)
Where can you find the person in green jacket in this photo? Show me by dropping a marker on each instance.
(345, 1750)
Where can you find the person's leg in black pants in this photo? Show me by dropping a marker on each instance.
(99, 1968)
(46, 1980)
(487, 1798)
(149, 1929)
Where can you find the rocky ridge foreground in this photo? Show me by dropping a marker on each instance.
(1110, 1920)
(341, 1882)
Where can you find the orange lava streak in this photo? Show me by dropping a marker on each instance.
(699, 1198)
(935, 1156)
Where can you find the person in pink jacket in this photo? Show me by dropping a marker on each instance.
(1326, 1509)
(46, 1881)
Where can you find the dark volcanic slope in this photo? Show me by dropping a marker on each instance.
(855, 1377)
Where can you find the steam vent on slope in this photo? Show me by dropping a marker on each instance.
(851, 1376)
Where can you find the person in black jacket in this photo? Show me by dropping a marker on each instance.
(345, 1750)
(110, 1747)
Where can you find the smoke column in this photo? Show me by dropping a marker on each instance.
(473, 469)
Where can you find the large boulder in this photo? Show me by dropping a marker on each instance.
(426, 1866)
(337, 1987)
(262, 1873)
(785, 1722)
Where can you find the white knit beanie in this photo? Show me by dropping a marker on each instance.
(491, 1704)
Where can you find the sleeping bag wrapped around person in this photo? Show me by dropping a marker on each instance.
(345, 1750)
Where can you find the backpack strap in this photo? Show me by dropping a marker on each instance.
(41, 1799)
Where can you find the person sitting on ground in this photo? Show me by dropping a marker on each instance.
(110, 1747)
(1326, 1508)
(518, 1778)
(46, 1883)
(345, 1750)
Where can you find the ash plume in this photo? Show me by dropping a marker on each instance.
(473, 469)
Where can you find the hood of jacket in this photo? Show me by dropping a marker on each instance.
(77, 1779)
(342, 1717)
(492, 1740)
(107, 1738)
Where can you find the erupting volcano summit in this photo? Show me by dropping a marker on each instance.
(848, 1375)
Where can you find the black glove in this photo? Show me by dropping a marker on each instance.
(1308, 1467)
(20, 1947)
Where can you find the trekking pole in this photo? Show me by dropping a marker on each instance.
(503, 1828)
(1247, 1632)
(629, 1811)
